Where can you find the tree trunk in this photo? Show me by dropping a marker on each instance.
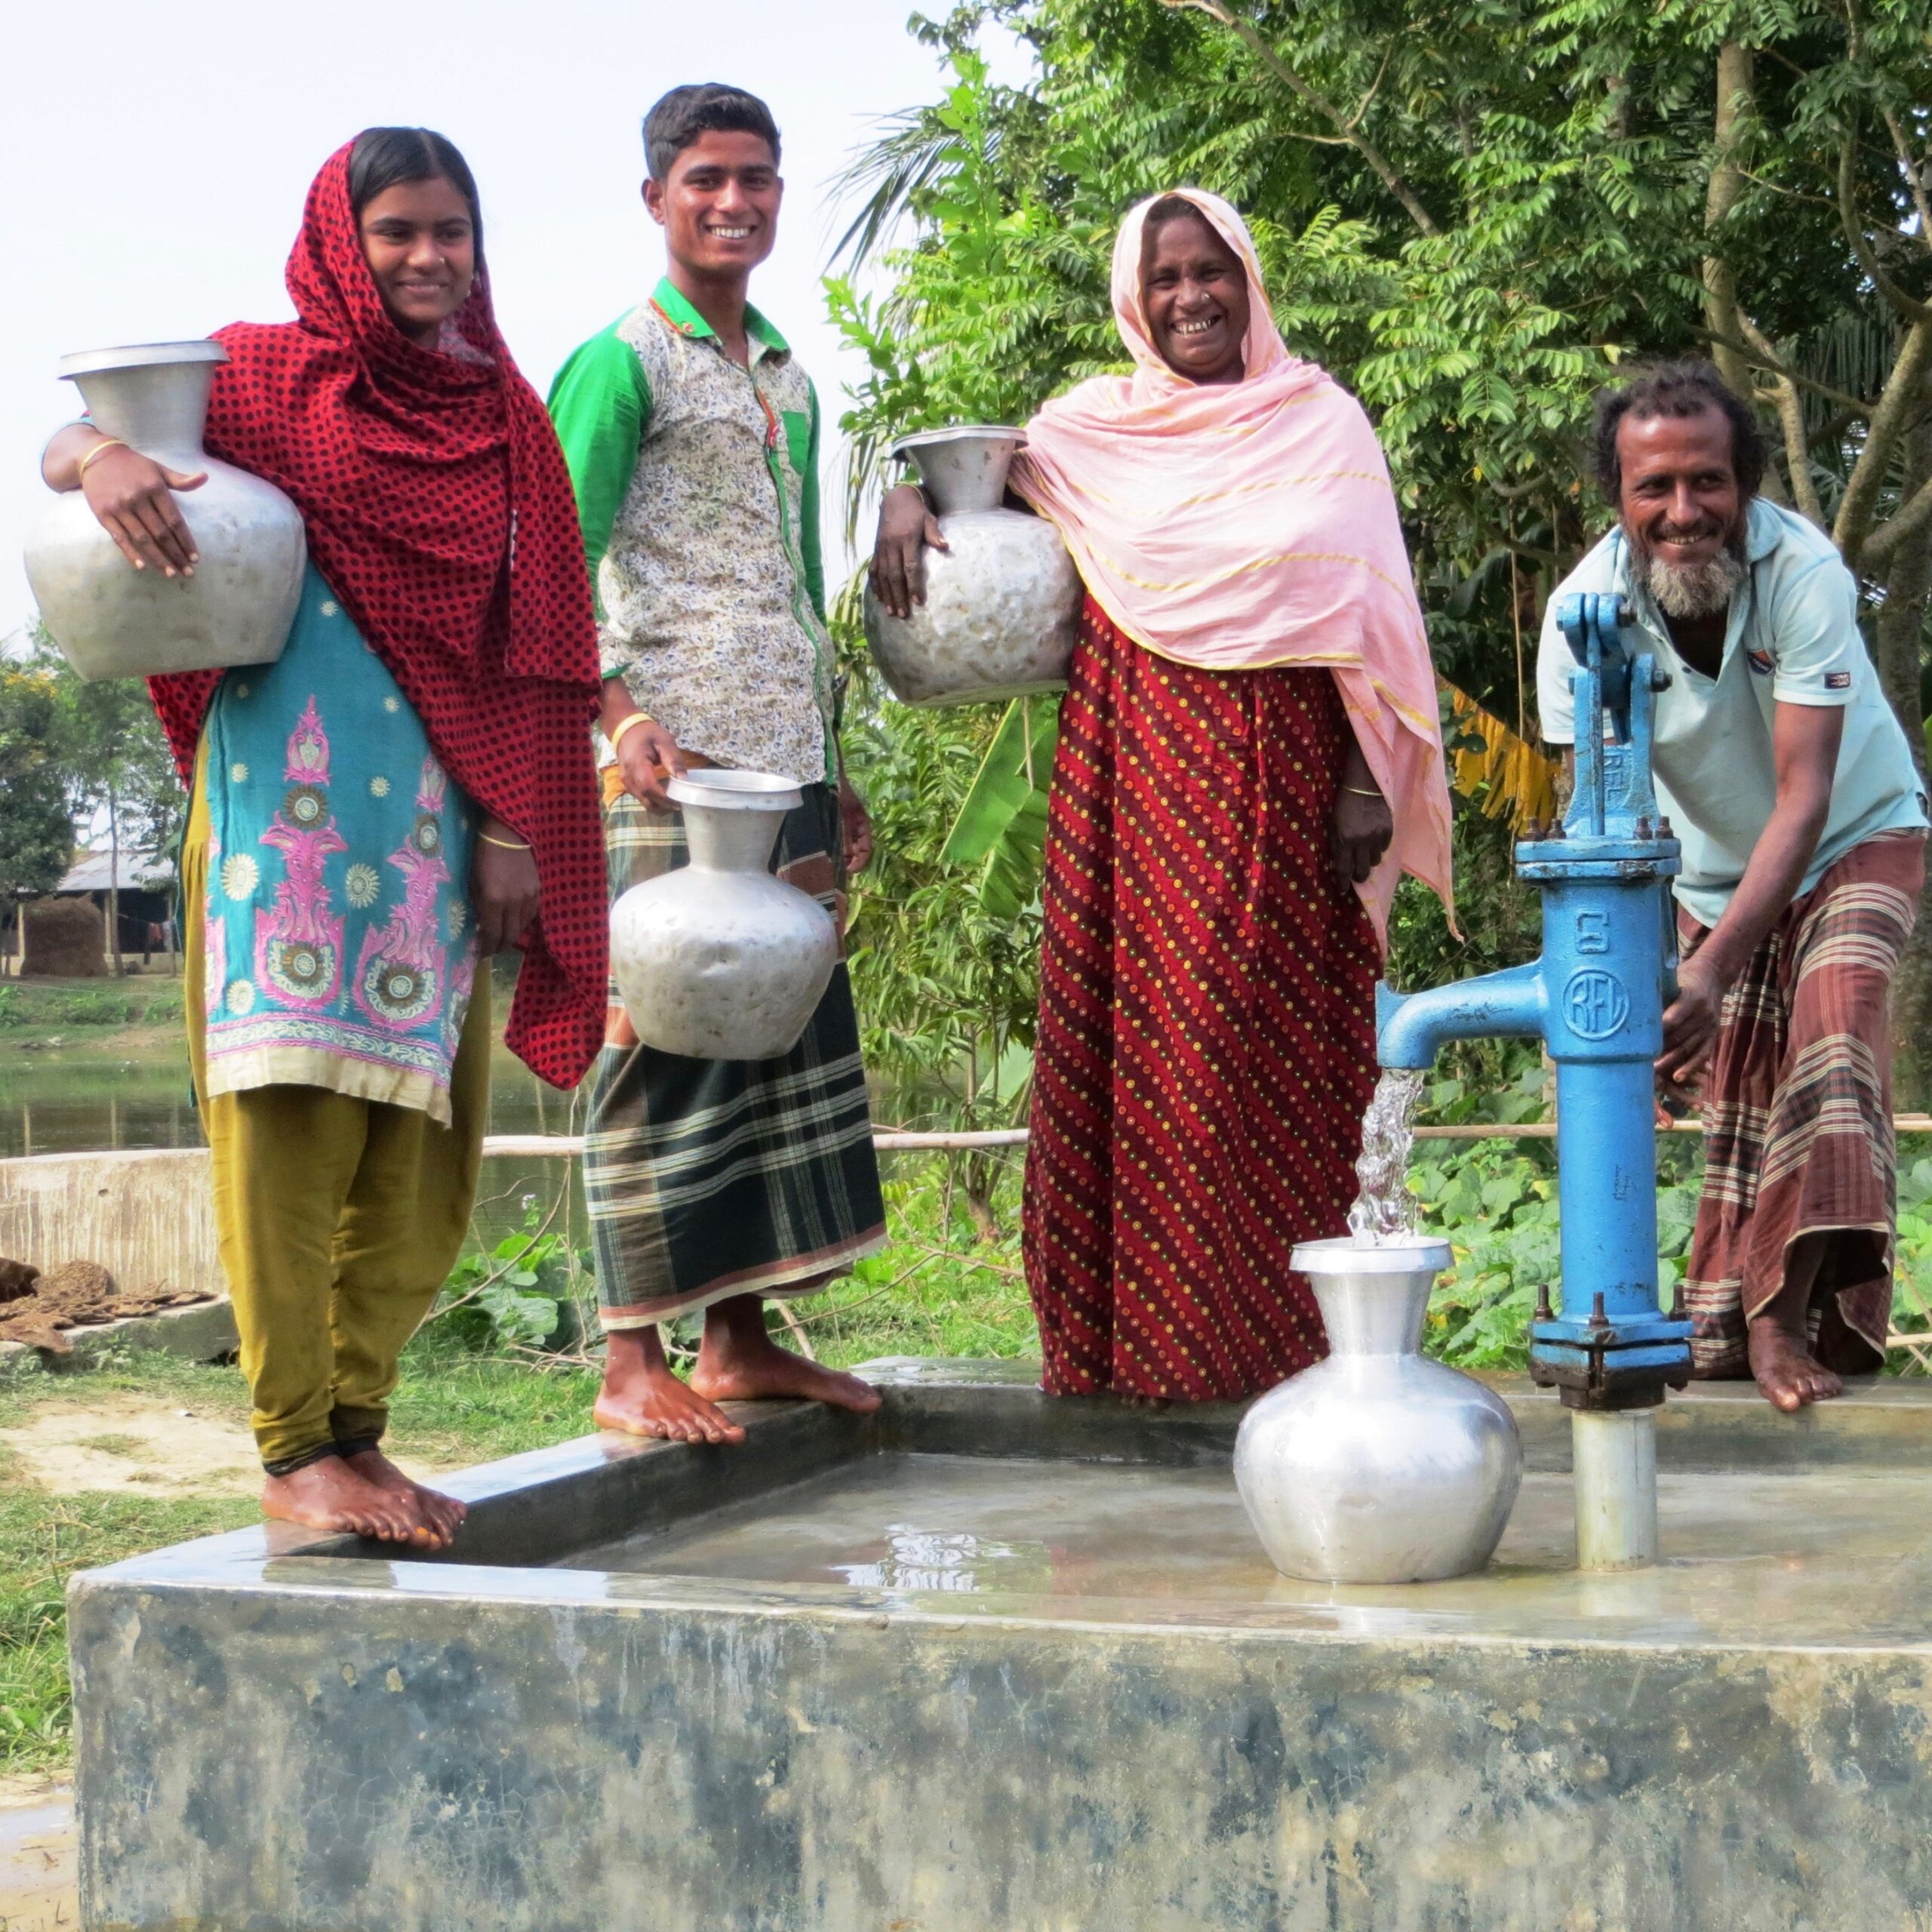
(1900, 627)
(1726, 186)
(113, 878)
(1721, 194)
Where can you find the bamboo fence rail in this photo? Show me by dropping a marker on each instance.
(894, 1140)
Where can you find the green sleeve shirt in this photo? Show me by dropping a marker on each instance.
(600, 404)
(696, 482)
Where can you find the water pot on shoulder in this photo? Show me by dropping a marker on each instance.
(111, 620)
(1002, 607)
(719, 960)
(1377, 1465)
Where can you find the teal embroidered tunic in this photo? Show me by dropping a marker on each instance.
(340, 951)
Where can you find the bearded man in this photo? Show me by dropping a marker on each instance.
(1803, 822)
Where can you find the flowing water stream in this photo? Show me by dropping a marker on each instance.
(1385, 1211)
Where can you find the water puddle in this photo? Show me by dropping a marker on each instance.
(954, 1560)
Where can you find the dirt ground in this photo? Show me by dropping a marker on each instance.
(124, 1441)
(37, 1888)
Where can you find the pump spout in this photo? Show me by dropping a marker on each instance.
(1505, 1005)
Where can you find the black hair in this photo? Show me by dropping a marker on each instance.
(1171, 208)
(1688, 388)
(708, 107)
(386, 158)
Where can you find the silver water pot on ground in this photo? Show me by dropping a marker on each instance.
(719, 960)
(1002, 608)
(111, 620)
(1377, 1465)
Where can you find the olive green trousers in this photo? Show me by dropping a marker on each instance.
(338, 1219)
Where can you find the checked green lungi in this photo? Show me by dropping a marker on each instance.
(705, 1178)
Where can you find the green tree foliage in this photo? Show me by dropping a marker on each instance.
(1473, 213)
(111, 761)
(36, 836)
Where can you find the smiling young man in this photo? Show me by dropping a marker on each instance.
(1788, 781)
(692, 436)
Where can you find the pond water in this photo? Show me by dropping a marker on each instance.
(79, 1098)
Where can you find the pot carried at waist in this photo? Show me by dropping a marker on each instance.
(111, 620)
(718, 960)
(1002, 608)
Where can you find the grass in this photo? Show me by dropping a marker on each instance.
(139, 1000)
(937, 1289)
(43, 1540)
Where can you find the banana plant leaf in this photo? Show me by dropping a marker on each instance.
(1002, 823)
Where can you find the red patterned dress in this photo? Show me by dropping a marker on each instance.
(1207, 1041)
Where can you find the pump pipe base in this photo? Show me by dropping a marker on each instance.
(1615, 1460)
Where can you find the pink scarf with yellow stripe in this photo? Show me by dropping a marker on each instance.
(1238, 526)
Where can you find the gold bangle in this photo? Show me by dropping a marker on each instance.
(624, 725)
(99, 449)
(503, 845)
(1361, 791)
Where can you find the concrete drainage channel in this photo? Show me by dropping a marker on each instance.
(988, 1661)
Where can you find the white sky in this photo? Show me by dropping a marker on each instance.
(155, 160)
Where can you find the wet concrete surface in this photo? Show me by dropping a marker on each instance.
(1831, 1556)
(990, 1663)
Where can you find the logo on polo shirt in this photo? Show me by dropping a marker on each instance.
(1837, 681)
(1760, 661)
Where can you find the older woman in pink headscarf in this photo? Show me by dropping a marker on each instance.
(1249, 758)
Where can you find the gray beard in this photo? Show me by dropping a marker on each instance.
(1693, 590)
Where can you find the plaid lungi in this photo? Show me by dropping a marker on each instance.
(1798, 1116)
(711, 1178)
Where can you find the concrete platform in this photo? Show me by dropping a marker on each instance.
(991, 1661)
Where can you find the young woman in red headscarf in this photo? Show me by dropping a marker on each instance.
(406, 790)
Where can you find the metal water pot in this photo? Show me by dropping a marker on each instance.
(1002, 608)
(1377, 1465)
(719, 960)
(111, 620)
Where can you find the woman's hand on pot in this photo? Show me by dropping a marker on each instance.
(855, 824)
(1359, 833)
(504, 891)
(906, 529)
(648, 756)
(133, 498)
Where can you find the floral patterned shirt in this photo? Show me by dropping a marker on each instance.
(339, 950)
(697, 488)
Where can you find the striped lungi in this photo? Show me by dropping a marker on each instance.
(708, 1178)
(1798, 1116)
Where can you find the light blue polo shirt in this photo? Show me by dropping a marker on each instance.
(1793, 638)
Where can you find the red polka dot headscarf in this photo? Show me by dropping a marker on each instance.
(440, 511)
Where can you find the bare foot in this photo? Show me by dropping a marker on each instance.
(329, 1495)
(1789, 1375)
(739, 1361)
(641, 1396)
(444, 1514)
